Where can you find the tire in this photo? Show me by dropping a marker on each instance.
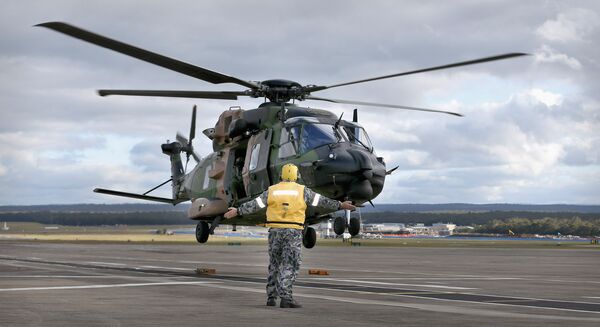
(354, 227)
(309, 238)
(202, 232)
(339, 225)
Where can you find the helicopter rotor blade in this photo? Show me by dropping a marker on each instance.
(219, 95)
(145, 55)
(372, 104)
(457, 64)
(193, 126)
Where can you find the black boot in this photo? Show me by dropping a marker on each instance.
(271, 302)
(289, 304)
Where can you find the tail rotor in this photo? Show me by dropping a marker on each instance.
(186, 144)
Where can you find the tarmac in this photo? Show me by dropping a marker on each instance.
(129, 284)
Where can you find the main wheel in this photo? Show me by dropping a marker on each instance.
(354, 227)
(339, 225)
(202, 230)
(309, 239)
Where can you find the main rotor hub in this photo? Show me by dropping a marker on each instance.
(280, 90)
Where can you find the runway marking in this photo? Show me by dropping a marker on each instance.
(422, 278)
(83, 276)
(400, 284)
(569, 281)
(586, 307)
(168, 268)
(473, 298)
(106, 263)
(443, 276)
(425, 307)
(100, 286)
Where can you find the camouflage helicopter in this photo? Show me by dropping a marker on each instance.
(335, 156)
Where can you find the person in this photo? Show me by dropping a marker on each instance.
(286, 203)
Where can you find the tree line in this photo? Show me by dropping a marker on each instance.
(99, 218)
(544, 226)
(466, 218)
(497, 222)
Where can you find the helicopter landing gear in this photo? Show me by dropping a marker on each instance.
(339, 225)
(309, 237)
(202, 232)
(354, 226)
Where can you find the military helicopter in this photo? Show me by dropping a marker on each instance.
(335, 157)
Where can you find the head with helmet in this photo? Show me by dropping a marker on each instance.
(289, 172)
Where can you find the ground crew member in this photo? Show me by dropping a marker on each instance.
(286, 203)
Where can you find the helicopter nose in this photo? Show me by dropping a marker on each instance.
(349, 173)
(369, 176)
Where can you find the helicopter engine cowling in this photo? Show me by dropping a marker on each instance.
(237, 127)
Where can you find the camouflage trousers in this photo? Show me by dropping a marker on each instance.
(285, 257)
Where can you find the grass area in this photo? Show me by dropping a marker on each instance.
(462, 243)
(144, 234)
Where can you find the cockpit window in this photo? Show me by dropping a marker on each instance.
(313, 136)
(358, 135)
(309, 136)
(287, 146)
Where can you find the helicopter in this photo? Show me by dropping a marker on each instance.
(335, 157)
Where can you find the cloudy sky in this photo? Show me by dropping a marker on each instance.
(531, 131)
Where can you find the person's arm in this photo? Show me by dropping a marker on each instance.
(317, 200)
(249, 207)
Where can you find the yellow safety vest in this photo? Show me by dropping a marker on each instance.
(285, 206)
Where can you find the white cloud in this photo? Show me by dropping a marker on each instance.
(572, 25)
(530, 133)
(548, 98)
(548, 55)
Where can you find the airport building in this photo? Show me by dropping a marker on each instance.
(443, 229)
(325, 229)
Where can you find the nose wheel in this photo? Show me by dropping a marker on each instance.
(202, 232)
(340, 224)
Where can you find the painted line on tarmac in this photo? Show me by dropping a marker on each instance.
(587, 307)
(106, 263)
(168, 268)
(401, 284)
(426, 307)
(20, 289)
(421, 278)
(474, 298)
(106, 276)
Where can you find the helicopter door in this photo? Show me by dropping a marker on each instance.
(256, 174)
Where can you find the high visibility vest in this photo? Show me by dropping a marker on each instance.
(285, 206)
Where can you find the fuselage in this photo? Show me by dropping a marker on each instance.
(335, 158)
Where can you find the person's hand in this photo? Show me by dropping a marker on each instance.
(232, 212)
(347, 205)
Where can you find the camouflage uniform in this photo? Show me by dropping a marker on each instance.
(285, 245)
(285, 258)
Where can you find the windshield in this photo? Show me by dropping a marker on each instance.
(358, 135)
(311, 136)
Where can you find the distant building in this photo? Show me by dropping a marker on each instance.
(420, 229)
(443, 229)
(384, 228)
